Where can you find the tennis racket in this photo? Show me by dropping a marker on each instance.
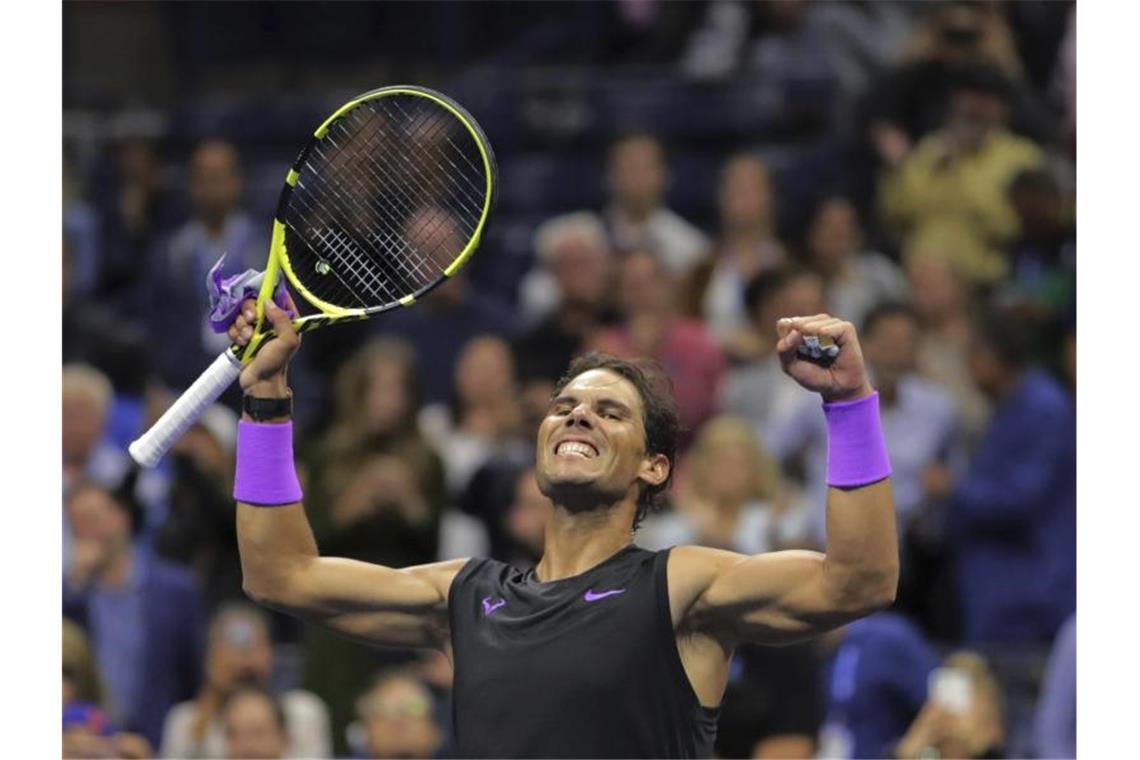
(389, 199)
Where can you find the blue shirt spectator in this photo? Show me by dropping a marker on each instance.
(875, 684)
(1013, 518)
(1055, 725)
(141, 613)
(184, 342)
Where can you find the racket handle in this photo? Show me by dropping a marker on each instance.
(154, 443)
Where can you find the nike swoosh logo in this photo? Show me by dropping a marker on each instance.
(488, 607)
(593, 597)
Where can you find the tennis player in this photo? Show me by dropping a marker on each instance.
(604, 649)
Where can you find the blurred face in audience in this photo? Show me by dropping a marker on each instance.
(582, 270)
(936, 292)
(891, 349)
(100, 527)
(386, 396)
(215, 181)
(802, 296)
(637, 174)
(834, 236)
(745, 197)
(253, 728)
(644, 286)
(84, 420)
(728, 476)
(485, 371)
(527, 516)
(974, 114)
(399, 721)
(240, 653)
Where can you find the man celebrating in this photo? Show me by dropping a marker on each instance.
(604, 649)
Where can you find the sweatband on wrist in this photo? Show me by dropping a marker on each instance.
(856, 449)
(265, 475)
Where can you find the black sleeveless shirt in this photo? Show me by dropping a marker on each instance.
(581, 667)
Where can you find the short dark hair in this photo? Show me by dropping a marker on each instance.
(886, 310)
(659, 413)
(764, 286)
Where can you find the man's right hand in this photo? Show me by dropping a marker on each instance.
(265, 375)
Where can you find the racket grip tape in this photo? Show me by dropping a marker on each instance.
(152, 445)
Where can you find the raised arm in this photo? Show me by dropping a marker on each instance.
(281, 566)
(784, 596)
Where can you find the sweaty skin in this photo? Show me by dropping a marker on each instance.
(592, 463)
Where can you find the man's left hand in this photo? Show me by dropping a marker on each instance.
(845, 378)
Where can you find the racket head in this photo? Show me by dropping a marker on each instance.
(389, 199)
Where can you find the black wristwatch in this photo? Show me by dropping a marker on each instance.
(262, 409)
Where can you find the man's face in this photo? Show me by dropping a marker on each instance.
(745, 193)
(637, 174)
(215, 182)
(591, 445)
(582, 271)
(974, 114)
(643, 286)
(96, 521)
(891, 349)
(252, 730)
(240, 654)
(834, 234)
(83, 423)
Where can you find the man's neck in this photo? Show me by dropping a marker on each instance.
(635, 216)
(577, 542)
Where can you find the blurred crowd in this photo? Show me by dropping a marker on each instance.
(950, 243)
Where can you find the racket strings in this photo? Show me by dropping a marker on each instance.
(385, 202)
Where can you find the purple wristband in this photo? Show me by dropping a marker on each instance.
(265, 475)
(856, 450)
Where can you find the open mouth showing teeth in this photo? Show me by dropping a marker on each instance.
(576, 448)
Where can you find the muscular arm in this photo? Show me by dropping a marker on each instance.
(281, 568)
(785, 596)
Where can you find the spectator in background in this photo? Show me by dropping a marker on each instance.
(140, 612)
(1055, 723)
(525, 521)
(636, 216)
(87, 399)
(941, 296)
(574, 273)
(652, 328)
(962, 721)
(714, 289)
(255, 726)
(484, 415)
(398, 718)
(81, 238)
(81, 680)
(1043, 259)
(918, 418)
(177, 280)
(757, 389)
(240, 656)
(136, 208)
(855, 279)
(376, 494)
(910, 101)
(1013, 514)
(730, 497)
(92, 334)
(958, 175)
(440, 327)
(876, 680)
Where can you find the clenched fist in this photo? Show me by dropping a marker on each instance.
(845, 378)
(265, 375)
